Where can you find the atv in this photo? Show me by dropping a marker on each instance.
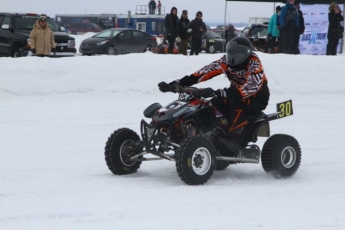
(192, 133)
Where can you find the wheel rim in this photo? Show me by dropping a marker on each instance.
(16, 54)
(111, 51)
(211, 49)
(288, 157)
(125, 153)
(201, 161)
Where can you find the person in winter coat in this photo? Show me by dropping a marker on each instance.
(273, 32)
(335, 29)
(159, 7)
(171, 28)
(248, 93)
(152, 7)
(229, 33)
(198, 29)
(288, 21)
(183, 25)
(42, 38)
(298, 30)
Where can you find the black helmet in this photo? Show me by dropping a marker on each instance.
(238, 50)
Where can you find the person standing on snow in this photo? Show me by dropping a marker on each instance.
(171, 28)
(198, 29)
(183, 25)
(335, 29)
(42, 39)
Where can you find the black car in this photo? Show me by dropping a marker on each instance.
(257, 34)
(118, 41)
(15, 30)
(212, 42)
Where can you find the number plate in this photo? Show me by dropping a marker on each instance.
(285, 109)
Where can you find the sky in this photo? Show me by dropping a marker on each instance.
(57, 114)
(213, 11)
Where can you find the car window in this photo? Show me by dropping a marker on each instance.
(6, 21)
(138, 34)
(27, 23)
(211, 34)
(107, 34)
(126, 35)
(1, 17)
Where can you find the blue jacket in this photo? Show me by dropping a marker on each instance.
(288, 13)
(272, 26)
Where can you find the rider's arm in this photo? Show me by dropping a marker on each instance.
(206, 73)
(255, 78)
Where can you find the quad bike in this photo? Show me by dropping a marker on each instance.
(192, 133)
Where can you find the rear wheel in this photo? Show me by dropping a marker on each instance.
(148, 48)
(281, 155)
(120, 147)
(195, 160)
(211, 49)
(16, 52)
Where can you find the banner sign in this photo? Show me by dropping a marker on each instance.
(314, 40)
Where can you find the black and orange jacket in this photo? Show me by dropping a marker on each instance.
(247, 84)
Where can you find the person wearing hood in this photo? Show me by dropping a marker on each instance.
(171, 28)
(335, 29)
(198, 29)
(184, 32)
(273, 32)
(42, 39)
(288, 21)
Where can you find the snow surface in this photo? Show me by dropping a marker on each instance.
(56, 116)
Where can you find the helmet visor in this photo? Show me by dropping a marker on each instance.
(236, 53)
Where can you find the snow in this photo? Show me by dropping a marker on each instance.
(56, 116)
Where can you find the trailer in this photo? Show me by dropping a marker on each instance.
(142, 20)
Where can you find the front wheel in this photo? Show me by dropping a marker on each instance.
(195, 160)
(281, 155)
(211, 49)
(112, 51)
(120, 147)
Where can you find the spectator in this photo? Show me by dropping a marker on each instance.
(152, 7)
(229, 33)
(171, 28)
(183, 25)
(42, 38)
(159, 7)
(198, 29)
(288, 21)
(248, 93)
(298, 30)
(273, 32)
(280, 40)
(335, 29)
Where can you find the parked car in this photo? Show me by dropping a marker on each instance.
(212, 42)
(257, 34)
(118, 41)
(83, 27)
(15, 30)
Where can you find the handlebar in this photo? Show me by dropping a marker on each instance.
(189, 90)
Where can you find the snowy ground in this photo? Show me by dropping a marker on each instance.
(56, 115)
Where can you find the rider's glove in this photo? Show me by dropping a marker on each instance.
(165, 87)
(220, 93)
(219, 100)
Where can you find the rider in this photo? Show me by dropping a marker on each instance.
(248, 93)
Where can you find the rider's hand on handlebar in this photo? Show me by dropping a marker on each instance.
(165, 87)
(220, 93)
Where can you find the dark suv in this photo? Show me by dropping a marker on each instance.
(15, 30)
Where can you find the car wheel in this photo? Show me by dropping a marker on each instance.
(16, 52)
(148, 48)
(211, 49)
(112, 51)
